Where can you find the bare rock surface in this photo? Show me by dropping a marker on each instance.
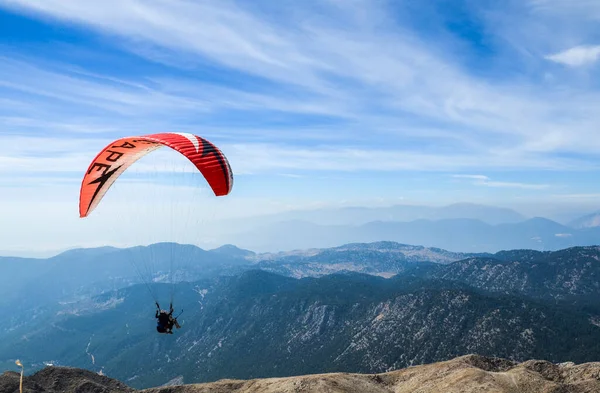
(61, 379)
(466, 374)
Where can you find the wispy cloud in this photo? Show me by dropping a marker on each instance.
(337, 65)
(594, 196)
(347, 82)
(577, 56)
(584, 10)
(473, 177)
(482, 180)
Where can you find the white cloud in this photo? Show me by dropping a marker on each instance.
(347, 71)
(482, 180)
(577, 56)
(474, 177)
(576, 10)
(563, 234)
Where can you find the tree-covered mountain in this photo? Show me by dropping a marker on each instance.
(78, 274)
(259, 324)
(571, 274)
(242, 320)
(26, 282)
(378, 258)
(75, 274)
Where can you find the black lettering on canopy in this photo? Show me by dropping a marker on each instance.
(101, 181)
(125, 145)
(144, 141)
(100, 167)
(114, 156)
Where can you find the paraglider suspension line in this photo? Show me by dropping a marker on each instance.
(137, 269)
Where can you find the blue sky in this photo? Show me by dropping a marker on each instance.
(315, 103)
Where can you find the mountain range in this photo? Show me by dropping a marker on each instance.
(461, 227)
(315, 311)
(588, 221)
(78, 273)
(82, 273)
(356, 215)
(466, 235)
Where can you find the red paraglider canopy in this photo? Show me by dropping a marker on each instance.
(119, 155)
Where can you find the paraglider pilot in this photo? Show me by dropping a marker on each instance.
(165, 320)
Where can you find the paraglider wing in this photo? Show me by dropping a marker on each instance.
(115, 158)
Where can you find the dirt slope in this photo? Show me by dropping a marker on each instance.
(466, 374)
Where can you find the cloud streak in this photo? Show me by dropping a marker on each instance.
(482, 180)
(577, 56)
(336, 76)
(336, 67)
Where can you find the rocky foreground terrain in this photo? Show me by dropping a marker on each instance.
(471, 373)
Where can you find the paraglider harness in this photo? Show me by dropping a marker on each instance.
(166, 320)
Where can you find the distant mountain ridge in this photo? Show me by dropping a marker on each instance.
(81, 273)
(588, 221)
(233, 251)
(459, 235)
(356, 215)
(460, 227)
(378, 258)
